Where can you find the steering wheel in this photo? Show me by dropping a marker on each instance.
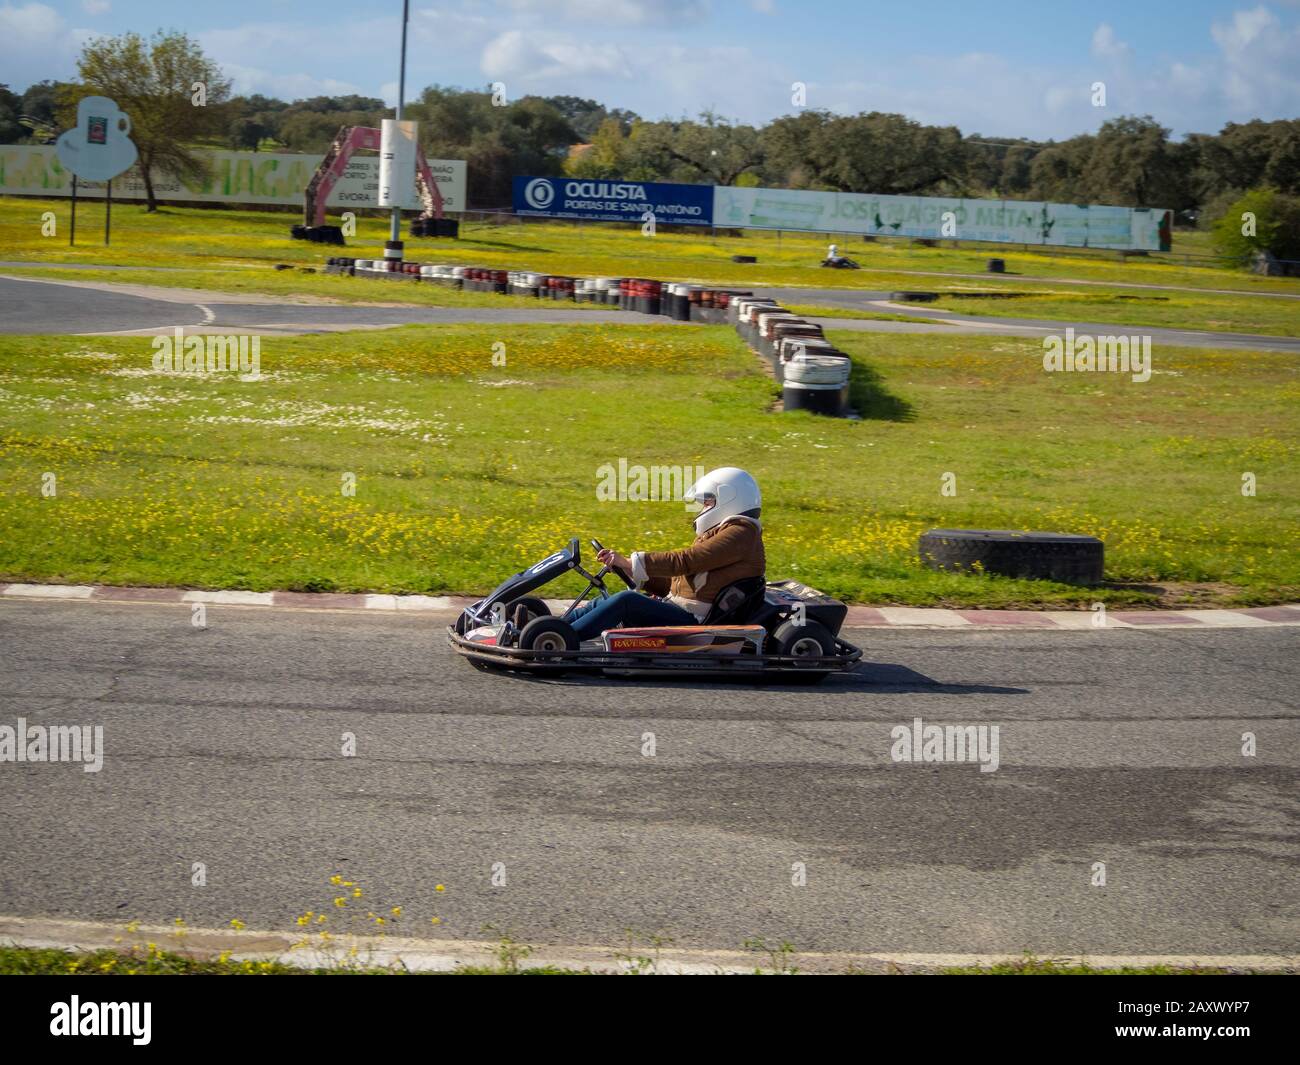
(622, 576)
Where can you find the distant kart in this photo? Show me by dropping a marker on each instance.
(841, 263)
(754, 630)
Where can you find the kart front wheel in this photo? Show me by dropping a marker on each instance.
(536, 608)
(548, 634)
(809, 640)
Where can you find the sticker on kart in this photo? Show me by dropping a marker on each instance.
(688, 639)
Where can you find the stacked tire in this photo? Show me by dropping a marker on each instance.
(318, 234)
(434, 227)
(813, 374)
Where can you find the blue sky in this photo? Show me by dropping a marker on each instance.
(998, 68)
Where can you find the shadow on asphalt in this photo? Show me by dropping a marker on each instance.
(877, 677)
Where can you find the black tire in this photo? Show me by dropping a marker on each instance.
(1040, 556)
(548, 634)
(810, 640)
(462, 624)
(535, 607)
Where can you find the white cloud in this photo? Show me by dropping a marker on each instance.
(1259, 68)
(30, 24)
(1252, 73)
(537, 60)
(287, 86)
(1107, 46)
(663, 13)
(36, 43)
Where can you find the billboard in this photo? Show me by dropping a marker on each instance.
(237, 177)
(613, 201)
(1002, 221)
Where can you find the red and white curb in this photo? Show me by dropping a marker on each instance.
(895, 617)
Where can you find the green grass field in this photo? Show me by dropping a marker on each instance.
(226, 250)
(466, 470)
(1172, 310)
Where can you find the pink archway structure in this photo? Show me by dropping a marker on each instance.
(356, 138)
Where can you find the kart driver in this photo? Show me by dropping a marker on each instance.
(680, 586)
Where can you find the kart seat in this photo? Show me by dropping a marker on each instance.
(737, 602)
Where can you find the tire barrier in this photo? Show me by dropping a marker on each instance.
(996, 266)
(744, 258)
(813, 373)
(1042, 556)
(640, 294)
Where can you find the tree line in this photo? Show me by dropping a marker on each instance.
(1128, 161)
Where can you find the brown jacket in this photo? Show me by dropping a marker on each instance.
(725, 553)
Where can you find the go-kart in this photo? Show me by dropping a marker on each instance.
(754, 630)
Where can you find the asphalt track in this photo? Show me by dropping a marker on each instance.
(223, 746)
(30, 306)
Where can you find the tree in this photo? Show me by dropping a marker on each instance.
(525, 136)
(38, 111)
(247, 133)
(10, 108)
(711, 151)
(588, 116)
(1262, 220)
(787, 146)
(153, 82)
(1133, 164)
(41, 101)
(605, 157)
(1057, 173)
(314, 131)
(885, 153)
(874, 152)
(252, 119)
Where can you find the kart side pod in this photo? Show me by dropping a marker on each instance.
(687, 639)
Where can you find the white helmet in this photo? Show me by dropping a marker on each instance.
(734, 493)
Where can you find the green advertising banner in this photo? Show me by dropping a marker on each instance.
(936, 218)
(236, 177)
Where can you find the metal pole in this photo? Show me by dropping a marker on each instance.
(108, 210)
(395, 227)
(72, 230)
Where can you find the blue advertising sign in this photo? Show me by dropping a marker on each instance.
(613, 201)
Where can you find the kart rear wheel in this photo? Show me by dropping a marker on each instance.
(809, 640)
(548, 634)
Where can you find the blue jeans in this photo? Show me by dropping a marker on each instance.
(627, 609)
